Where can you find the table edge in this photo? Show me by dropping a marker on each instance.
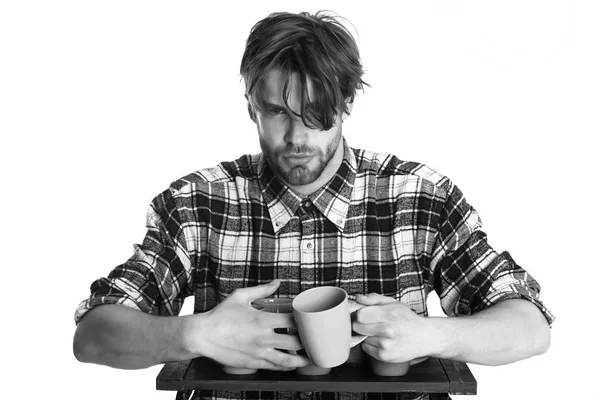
(460, 379)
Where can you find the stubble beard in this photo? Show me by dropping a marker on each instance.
(301, 174)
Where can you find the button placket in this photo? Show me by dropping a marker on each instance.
(307, 243)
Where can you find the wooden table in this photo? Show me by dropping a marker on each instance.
(430, 376)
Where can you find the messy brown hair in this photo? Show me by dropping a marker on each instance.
(315, 46)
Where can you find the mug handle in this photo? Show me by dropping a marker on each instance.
(356, 338)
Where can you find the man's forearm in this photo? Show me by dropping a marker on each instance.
(121, 337)
(509, 331)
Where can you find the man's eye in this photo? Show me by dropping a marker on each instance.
(278, 111)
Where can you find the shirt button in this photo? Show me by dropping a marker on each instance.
(309, 245)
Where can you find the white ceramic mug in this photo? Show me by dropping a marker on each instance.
(322, 315)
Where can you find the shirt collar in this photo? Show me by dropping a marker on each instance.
(332, 200)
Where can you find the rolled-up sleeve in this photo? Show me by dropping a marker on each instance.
(468, 274)
(156, 278)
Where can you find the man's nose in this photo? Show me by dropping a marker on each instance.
(297, 132)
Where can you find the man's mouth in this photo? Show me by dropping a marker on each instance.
(298, 158)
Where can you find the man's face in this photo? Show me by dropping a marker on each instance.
(297, 154)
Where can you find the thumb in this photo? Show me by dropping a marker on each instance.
(252, 293)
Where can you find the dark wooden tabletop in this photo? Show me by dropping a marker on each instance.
(430, 376)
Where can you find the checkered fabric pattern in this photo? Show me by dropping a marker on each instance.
(380, 225)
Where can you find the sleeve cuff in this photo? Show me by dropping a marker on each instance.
(498, 296)
(86, 305)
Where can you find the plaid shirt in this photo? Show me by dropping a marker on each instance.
(379, 225)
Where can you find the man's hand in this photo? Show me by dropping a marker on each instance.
(396, 333)
(237, 335)
(233, 333)
(511, 330)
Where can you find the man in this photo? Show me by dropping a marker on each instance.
(310, 211)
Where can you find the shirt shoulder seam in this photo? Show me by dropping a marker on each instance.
(382, 164)
(225, 172)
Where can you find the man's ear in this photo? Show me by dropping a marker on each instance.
(349, 106)
(251, 111)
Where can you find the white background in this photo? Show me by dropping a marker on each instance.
(103, 104)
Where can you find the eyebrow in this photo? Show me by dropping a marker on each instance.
(268, 104)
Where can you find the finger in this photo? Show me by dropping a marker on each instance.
(264, 364)
(285, 361)
(283, 320)
(354, 306)
(370, 349)
(287, 342)
(374, 341)
(249, 294)
(374, 298)
(374, 329)
(372, 314)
